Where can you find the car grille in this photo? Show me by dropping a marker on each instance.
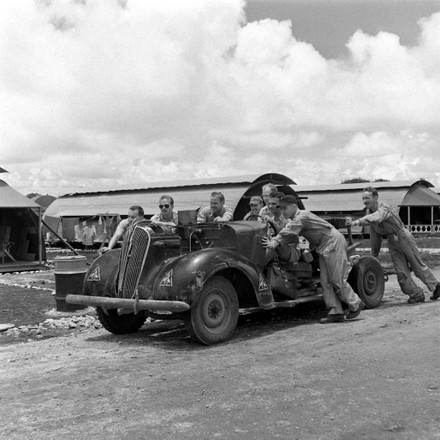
(133, 254)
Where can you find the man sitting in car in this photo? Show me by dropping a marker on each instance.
(266, 191)
(255, 205)
(217, 211)
(167, 215)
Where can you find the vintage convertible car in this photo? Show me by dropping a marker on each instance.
(205, 274)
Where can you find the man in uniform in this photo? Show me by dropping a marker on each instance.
(217, 211)
(266, 191)
(289, 251)
(126, 226)
(331, 247)
(255, 205)
(275, 214)
(402, 246)
(167, 215)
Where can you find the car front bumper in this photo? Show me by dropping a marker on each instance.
(151, 305)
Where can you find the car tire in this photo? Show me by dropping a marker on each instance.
(214, 316)
(368, 281)
(120, 324)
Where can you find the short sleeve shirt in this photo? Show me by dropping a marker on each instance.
(158, 218)
(205, 215)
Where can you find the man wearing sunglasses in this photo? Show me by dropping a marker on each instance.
(167, 215)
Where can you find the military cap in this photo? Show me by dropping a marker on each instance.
(256, 199)
(287, 200)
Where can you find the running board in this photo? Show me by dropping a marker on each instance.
(294, 302)
(284, 304)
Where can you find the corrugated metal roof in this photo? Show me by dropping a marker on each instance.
(192, 195)
(184, 199)
(10, 198)
(348, 197)
(347, 201)
(196, 193)
(210, 181)
(362, 185)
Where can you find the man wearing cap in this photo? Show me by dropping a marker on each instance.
(384, 221)
(289, 251)
(255, 205)
(331, 247)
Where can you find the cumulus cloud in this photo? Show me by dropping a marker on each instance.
(102, 93)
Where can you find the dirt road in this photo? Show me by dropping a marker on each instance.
(377, 377)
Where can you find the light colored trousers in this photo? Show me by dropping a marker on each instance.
(333, 265)
(404, 252)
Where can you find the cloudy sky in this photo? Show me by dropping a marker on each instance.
(96, 94)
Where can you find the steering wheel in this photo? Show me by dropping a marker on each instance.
(272, 228)
(256, 217)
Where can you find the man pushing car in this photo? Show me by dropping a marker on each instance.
(385, 221)
(331, 247)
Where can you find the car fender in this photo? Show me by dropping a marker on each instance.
(100, 278)
(183, 278)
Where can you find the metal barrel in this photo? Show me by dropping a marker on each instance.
(69, 279)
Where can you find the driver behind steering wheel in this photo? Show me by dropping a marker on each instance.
(255, 205)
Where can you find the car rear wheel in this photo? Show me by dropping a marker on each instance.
(368, 281)
(120, 324)
(214, 317)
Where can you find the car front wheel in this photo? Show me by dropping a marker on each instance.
(120, 324)
(214, 316)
